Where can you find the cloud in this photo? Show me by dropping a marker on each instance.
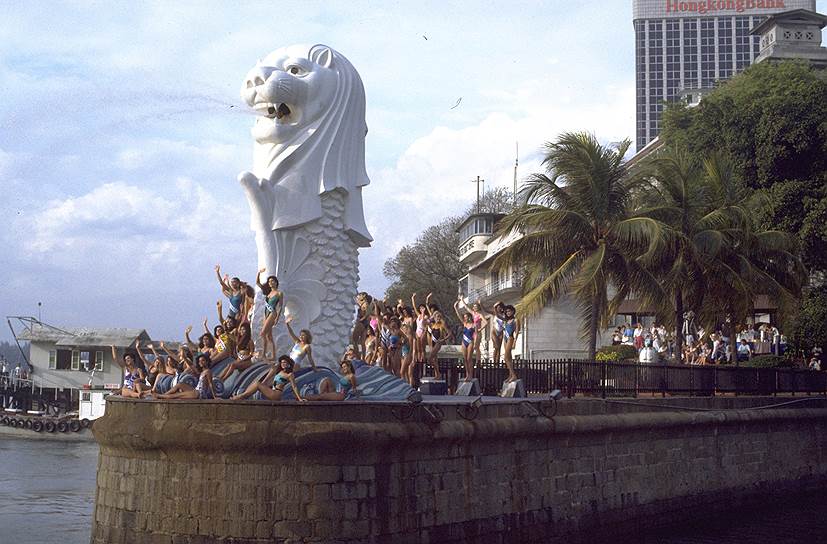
(431, 179)
(123, 221)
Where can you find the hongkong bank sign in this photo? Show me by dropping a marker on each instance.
(717, 6)
(648, 9)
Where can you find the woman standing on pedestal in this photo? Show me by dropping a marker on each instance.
(273, 305)
(511, 329)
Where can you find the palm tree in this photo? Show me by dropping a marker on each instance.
(579, 235)
(750, 260)
(678, 195)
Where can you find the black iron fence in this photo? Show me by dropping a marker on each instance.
(579, 377)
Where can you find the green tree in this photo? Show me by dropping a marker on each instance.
(580, 235)
(431, 264)
(772, 121)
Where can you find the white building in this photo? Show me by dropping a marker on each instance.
(60, 357)
(552, 333)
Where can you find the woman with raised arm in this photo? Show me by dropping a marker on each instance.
(469, 334)
(207, 387)
(192, 345)
(364, 309)
(273, 385)
(497, 318)
(302, 348)
(439, 334)
(273, 305)
(235, 293)
(133, 376)
(480, 324)
(511, 329)
(423, 320)
(344, 389)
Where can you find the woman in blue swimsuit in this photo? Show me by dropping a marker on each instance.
(273, 305)
(274, 383)
(511, 328)
(235, 291)
(345, 387)
(469, 334)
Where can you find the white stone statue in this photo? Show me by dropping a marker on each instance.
(305, 189)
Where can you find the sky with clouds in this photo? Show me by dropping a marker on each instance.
(123, 132)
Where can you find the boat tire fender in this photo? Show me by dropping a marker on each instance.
(49, 426)
(85, 423)
(37, 426)
(62, 427)
(74, 425)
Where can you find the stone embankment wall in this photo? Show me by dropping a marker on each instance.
(192, 472)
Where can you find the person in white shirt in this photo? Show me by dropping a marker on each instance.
(744, 351)
(648, 354)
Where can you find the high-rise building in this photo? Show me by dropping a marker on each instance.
(683, 45)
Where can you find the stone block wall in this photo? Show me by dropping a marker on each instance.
(192, 472)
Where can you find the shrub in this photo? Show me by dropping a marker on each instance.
(617, 353)
(766, 361)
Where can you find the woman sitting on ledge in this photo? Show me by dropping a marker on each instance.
(345, 389)
(133, 375)
(207, 387)
(273, 385)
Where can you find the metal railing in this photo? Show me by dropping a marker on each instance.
(580, 377)
(491, 288)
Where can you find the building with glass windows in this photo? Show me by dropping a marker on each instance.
(682, 45)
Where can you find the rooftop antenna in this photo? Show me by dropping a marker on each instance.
(516, 164)
(478, 181)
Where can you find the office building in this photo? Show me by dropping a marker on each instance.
(682, 45)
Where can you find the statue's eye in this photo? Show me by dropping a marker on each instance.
(296, 70)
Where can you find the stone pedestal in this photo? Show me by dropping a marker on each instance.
(514, 389)
(469, 389)
(259, 472)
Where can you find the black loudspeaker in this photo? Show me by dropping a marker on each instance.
(469, 389)
(431, 386)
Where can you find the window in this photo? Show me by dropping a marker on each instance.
(52, 360)
(64, 359)
(75, 360)
(99, 361)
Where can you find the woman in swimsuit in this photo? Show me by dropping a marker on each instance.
(133, 376)
(423, 320)
(480, 324)
(439, 335)
(302, 348)
(344, 389)
(370, 346)
(469, 336)
(207, 387)
(497, 318)
(397, 342)
(273, 385)
(364, 303)
(273, 304)
(235, 292)
(511, 328)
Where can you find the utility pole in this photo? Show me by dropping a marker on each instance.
(516, 163)
(478, 181)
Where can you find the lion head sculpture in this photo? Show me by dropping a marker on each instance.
(309, 137)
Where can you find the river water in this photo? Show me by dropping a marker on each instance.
(47, 491)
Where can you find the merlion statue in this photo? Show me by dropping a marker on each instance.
(305, 189)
